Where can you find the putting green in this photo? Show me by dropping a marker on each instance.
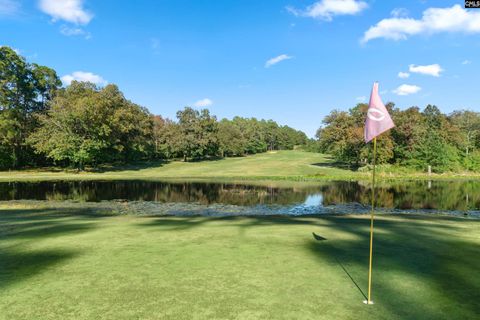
(75, 264)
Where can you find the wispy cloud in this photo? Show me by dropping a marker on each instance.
(406, 89)
(327, 9)
(399, 12)
(361, 99)
(83, 77)
(464, 62)
(276, 60)
(67, 10)
(75, 31)
(403, 75)
(203, 103)
(430, 70)
(155, 45)
(433, 20)
(9, 7)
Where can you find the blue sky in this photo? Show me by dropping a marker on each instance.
(323, 54)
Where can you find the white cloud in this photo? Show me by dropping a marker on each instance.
(276, 60)
(9, 7)
(466, 62)
(203, 103)
(361, 98)
(406, 89)
(434, 20)
(83, 77)
(430, 70)
(67, 10)
(326, 9)
(403, 75)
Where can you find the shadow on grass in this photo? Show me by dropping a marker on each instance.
(208, 159)
(146, 165)
(99, 169)
(17, 266)
(424, 267)
(22, 229)
(444, 266)
(337, 165)
(129, 167)
(329, 162)
(244, 222)
(320, 238)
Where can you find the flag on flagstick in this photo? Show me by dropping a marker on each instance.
(378, 121)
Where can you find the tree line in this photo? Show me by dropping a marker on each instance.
(421, 138)
(43, 123)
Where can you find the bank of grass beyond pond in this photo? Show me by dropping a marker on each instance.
(77, 264)
(277, 165)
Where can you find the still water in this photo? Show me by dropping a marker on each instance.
(422, 196)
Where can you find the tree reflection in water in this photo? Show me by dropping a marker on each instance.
(440, 195)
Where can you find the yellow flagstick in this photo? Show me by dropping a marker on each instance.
(369, 299)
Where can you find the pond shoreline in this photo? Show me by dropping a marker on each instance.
(183, 209)
(261, 180)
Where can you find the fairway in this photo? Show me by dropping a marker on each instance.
(288, 165)
(75, 264)
(277, 164)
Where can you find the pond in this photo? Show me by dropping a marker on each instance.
(451, 197)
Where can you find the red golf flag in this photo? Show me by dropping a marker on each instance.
(378, 119)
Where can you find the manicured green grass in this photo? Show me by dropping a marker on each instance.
(272, 164)
(278, 165)
(73, 264)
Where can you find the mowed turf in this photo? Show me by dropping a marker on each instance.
(284, 165)
(277, 164)
(73, 264)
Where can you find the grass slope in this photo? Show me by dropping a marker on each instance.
(279, 165)
(68, 264)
